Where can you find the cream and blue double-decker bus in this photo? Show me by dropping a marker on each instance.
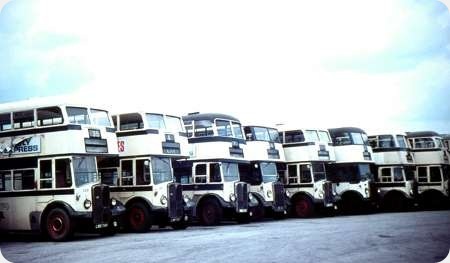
(432, 163)
(48, 173)
(351, 173)
(265, 153)
(211, 175)
(394, 171)
(307, 153)
(142, 176)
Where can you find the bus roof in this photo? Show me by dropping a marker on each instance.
(42, 103)
(293, 128)
(143, 113)
(394, 133)
(345, 129)
(208, 116)
(260, 126)
(421, 134)
(445, 136)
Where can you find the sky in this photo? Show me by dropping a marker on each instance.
(380, 65)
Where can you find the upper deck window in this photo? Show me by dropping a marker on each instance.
(49, 116)
(386, 141)
(311, 136)
(223, 128)
(78, 115)
(100, 117)
(401, 140)
(155, 121)
(173, 124)
(349, 138)
(438, 143)
(131, 121)
(23, 119)
(5, 122)
(203, 128)
(237, 130)
(261, 134)
(294, 136)
(274, 136)
(324, 136)
(342, 138)
(357, 138)
(114, 118)
(423, 143)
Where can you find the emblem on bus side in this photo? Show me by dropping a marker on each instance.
(20, 145)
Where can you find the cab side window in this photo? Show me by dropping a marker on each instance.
(214, 173)
(398, 174)
(142, 172)
(305, 174)
(435, 174)
(63, 174)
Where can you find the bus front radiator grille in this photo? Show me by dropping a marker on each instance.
(279, 195)
(241, 190)
(101, 212)
(175, 203)
(328, 193)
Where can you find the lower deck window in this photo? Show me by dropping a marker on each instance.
(5, 181)
(386, 175)
(422, 176)
(24, 179)
(127, 172)
(200, 173)
(292, 174)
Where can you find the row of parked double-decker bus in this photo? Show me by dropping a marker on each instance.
(69, 167)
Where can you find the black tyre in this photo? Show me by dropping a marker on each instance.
(210, 213)
(139, 218)
(303, 207)
(59, 226)
(258, 212)
(394, 203)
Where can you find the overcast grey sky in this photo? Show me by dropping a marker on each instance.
(382, 64)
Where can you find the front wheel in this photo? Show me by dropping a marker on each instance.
(303, 207)
(139, 218)
(210, 213)
(58, 225)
